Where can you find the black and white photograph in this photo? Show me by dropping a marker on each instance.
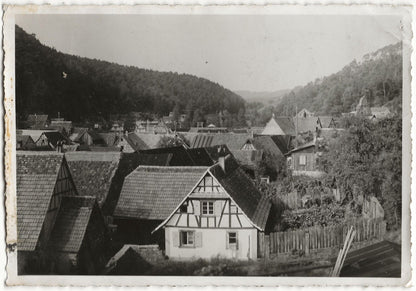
(199, 142)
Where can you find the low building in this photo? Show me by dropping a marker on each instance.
(302, 160)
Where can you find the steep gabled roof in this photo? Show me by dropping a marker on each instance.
(55, 136)
(35, 181)
(248, 158)
(92, 172)
(153, 193)
(327, 121)
(279, 126)
(244, 193)
(269, 146)
(71, 223)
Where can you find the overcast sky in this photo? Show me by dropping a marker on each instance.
(256, 53)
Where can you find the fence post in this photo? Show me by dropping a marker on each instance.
(306, 247)
(266, 247)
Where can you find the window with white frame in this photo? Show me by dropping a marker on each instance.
(207, 207)
(302, 160)
(187, 238)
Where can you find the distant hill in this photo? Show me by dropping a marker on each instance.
(377, 74)
(267, 98)
(48, 81)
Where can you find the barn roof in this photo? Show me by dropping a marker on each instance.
(24, 139)
(326, 121)
(92, 172)
(71, 223)
(152, 192)
(35, 181)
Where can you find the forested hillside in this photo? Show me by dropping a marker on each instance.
(378, 74)
(48, 81)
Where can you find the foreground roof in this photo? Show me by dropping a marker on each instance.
(71, 223)
(152, 192)
(35, 181)
(92, 172)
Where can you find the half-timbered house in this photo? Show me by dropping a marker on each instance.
(203, 211)
(42, 179)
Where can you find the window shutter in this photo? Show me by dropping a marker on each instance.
(175, 238)
(217, 208)
(197, 206)
(198, 239)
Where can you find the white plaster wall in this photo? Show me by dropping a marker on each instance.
(214, 242)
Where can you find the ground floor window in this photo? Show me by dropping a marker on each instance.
(187, 238)
(232, 241)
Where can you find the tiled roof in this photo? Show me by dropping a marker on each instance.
(266, 143)
(135, 142)
(283, 142)
(36, 177)
(71, 224)
(151, 140)
(234, 141)
(302, 147)
(92, 172)
(110, 138)
(242, 190)
(154, 192)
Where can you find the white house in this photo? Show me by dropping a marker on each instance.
(213, 211)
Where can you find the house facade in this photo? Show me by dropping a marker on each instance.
(199, 211)
(302, 160)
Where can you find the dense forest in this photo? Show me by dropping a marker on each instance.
(378, 74)
(48, 81)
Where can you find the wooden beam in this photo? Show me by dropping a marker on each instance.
(222, 212)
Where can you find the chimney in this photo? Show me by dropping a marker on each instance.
(221, 158)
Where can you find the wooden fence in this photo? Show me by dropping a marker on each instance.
(313, 238)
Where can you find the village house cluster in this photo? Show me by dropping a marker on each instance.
(87, 198)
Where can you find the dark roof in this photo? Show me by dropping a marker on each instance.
(35, 181)
(234, 141)
(92, 172)
(154, 192)
(135, 142)
(242, 190)
(306, 124)
(267, 145)
(302, 147)
(71, 223)
(382, 259)
(248, 158)
(283, 142)
(55, 136)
